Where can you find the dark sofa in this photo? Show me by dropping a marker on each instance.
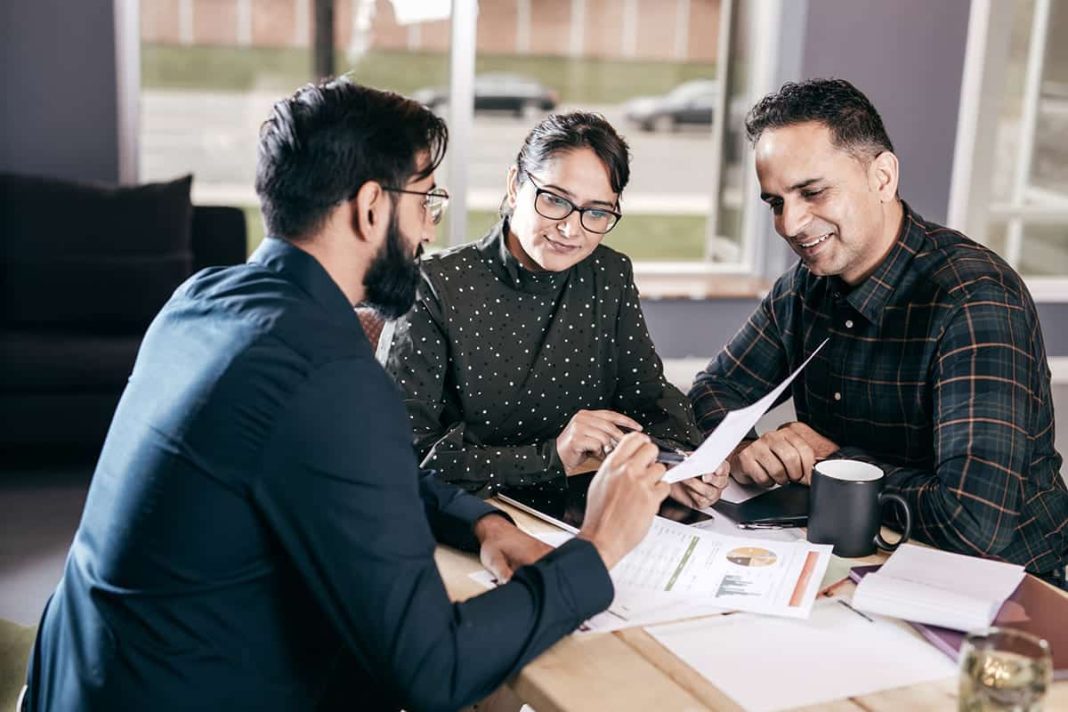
(83, 270)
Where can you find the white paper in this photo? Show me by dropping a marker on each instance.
(679, 572)
(732, 572)
(629, 608)
(736, 493)
(732, 430)
(938, 588)
(775, 663)
(970, 575)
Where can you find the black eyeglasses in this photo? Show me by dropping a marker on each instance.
(435, 200)
(555, 207)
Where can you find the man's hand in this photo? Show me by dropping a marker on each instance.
(623, 497)
(784, 455)
(591, 433)
(704, 491)
(505, 547)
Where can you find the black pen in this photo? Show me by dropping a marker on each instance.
(859, 613)
(774, 523)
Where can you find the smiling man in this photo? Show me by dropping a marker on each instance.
(935, 370)
(258, 534)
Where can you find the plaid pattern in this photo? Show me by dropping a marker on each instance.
(935, 371)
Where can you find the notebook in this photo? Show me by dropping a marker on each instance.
(1035, 607)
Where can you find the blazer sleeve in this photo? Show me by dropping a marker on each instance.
(340, 489)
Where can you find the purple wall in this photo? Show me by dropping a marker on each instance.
(58, 114)
(908, 57)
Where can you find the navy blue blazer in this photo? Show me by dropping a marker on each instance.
(257, 534)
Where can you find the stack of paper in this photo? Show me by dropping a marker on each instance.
(938, 588)
(679, 572)
(735, 573)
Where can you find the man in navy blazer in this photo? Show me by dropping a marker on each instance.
(257, 534)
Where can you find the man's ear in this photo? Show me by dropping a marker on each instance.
(370, 210)
(883, 175)
(513, 185)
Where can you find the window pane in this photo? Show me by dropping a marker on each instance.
(1045, 250)
(1008, 132)
(647, 67)
(210, 72)
(1049, 169)
(212, 69)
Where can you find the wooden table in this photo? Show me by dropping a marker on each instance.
(629, 670)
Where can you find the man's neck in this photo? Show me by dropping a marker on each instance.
(341, 264)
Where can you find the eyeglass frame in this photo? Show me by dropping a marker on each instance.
(538, 190)
(436, 192)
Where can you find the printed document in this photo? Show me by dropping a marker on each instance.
(680, 572)
(736, 573)
(731, 431)
(834, 654)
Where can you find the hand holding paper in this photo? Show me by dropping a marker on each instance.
(731, 431)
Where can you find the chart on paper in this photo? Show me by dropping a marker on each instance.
(732, 572)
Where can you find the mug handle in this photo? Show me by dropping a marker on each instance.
(899, 500)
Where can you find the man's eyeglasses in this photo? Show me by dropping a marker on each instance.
(550, 205)
(435, 200)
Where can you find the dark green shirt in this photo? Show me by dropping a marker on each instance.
(494, 360)
(936, 372)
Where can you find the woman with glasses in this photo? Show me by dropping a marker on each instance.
(527, 354)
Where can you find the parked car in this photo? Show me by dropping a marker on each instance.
(689, 103)
(497, 92)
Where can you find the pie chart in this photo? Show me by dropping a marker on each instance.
(751, 556)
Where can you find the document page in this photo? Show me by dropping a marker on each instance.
(736, 573)
(731, 431)
(834, 654)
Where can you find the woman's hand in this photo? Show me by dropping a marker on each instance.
(591, 433)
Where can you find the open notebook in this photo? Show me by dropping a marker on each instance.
(1035, 607)
(938, 588)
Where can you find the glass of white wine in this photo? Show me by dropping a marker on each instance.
(1003, 669)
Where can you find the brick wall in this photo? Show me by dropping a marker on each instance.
(274, 23)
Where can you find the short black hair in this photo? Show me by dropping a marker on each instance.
(320, 145)
(854, 123)
(559, 133)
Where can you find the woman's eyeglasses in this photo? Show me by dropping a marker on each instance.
(555, 207)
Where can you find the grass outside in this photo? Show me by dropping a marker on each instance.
(644, 238)
(587, 80)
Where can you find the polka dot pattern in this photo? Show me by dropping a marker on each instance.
(494, 360)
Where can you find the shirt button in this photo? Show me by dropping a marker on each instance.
(837, 396)
(849, 323)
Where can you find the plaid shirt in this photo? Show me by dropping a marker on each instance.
(936, 372)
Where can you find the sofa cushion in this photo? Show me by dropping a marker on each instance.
(84, 255)
(36, 361)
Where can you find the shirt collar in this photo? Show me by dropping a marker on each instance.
(299, 267)
(870, 296)
(494, 248)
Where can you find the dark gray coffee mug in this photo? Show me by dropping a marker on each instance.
(845, 508)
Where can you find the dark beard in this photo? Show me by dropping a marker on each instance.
(392, 280)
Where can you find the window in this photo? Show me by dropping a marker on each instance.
(1015, 197)
(674, 77)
